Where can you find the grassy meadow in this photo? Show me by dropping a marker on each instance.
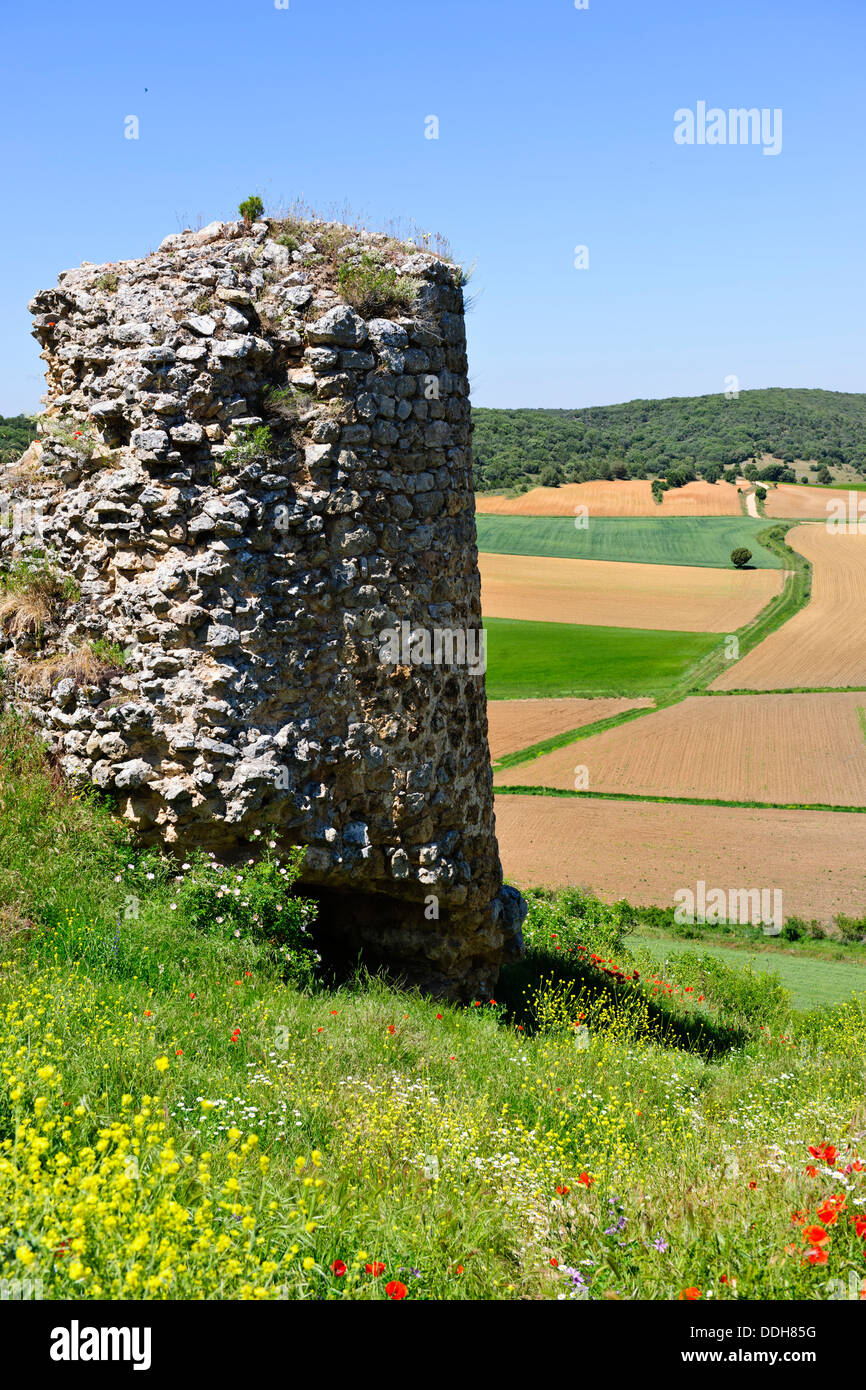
(677, 540)
(811, 980)
(562, 659)
(190, 1109)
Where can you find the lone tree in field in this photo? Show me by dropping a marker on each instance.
(740, 557)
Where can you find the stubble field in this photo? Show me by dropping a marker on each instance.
(675, 598)
(645, 851)
(825, 643)
(798, 503)
(516, 724)
(618, 497)
(792, 749)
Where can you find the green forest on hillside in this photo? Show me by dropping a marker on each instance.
(16, 432)
(679, 438)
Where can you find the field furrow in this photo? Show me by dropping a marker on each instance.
(804, 749)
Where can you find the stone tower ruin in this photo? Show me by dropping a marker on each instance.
(245, 542)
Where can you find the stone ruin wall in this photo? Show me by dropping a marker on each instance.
(249, 581)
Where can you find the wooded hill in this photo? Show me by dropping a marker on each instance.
(683, 435)
(16, 432)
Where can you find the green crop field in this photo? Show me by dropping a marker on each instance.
(812, 982)
(558, 659)
(651, 540)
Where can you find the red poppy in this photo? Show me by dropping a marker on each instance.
(338, 1268)
(811, 1170)
(563, 1191)
(375, 1268)
(828, 1212)
(753, 1185)
(691, 1294)
(395, 1289)
(815, 1235)
(827, 1152)
(817, 1256)
(391, 1029)
(860, 1225)
(554, 1262)
(459, 1269)
(586, 1179)
(724, 1279)
(192, 994)
(438, 1015)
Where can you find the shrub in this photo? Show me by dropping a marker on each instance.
(251, 209)
(744, 996)
(550, 476)
(740, 556)
(851, 929)
(375, 289)
(253, 900)
(251, 443)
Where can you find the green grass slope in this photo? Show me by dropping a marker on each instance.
(811, 982)
(183, 1117)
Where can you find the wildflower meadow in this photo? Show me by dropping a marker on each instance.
(193, 1108)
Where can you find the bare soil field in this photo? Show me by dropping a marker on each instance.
(804, 503)
(786, 748)
(825, 643)
(645, 852)
(608, 593)
(620, 497)
(516, 724)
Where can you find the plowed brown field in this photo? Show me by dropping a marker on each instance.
(825, 643)
(805, 503)
(515, 724)
(618, 498)
(605, 593)
(786, 748)
(645, 852)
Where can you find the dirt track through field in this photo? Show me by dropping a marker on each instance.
(807, 503)
(619, 497)
(785, 748)
(825, 643)
(605, 593)
(516, 724)
(645, 852)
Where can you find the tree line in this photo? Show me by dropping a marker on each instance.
(678, 439)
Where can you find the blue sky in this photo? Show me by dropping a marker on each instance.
(555, 130)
